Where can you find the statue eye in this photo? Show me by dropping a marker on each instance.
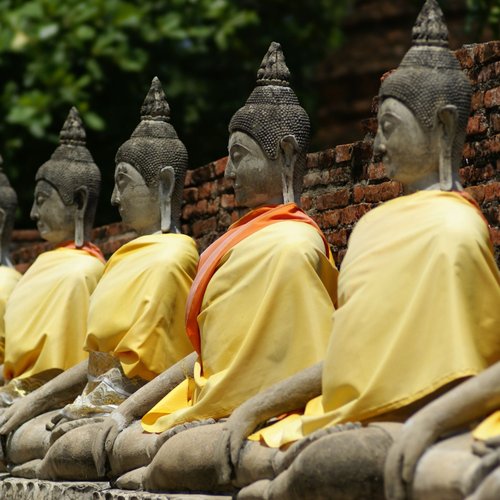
(387, 126)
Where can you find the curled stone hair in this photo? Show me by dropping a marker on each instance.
(430, 77)
(273, 111)
(8, 197)
(72, 166)
(154, 144)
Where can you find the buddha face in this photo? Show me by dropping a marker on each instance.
(409, 151)
(257, 179)
(137, 202)
(54, 219)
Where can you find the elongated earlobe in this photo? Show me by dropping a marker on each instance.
(166, 187)
(81, 201)
(290, 151)
(447, 116)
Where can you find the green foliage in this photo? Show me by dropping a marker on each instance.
(483, 13)
(100, 55)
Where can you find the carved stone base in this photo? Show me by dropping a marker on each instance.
(13, 488)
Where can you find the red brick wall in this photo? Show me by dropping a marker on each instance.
(342, 183)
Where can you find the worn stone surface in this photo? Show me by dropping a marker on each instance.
(33, 489)
(209, 207)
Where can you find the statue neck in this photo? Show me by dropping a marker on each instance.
(5, 239)
(431, 182)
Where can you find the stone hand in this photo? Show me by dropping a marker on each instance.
(106, 434)
(416, 436)
(234, 433)
(16, 415)
(63, 426)
(165, 436)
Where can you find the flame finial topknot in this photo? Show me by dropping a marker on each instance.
(273, 69)
(155, 106)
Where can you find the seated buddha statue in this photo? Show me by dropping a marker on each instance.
(450, 448)
(135, 323)
(410, 322)
(45, 322)
(249, 309)
(8, 274)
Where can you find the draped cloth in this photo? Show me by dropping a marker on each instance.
(8, 280)
(137, 310)
(265, 314)
(419, 307)
(46, 317)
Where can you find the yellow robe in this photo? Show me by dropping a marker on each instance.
(266, 314)
(46, 317)
(8, 280)
(137, 310)
(419, 307)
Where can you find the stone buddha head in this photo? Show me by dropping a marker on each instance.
(423, 111)
(67, 188)
(269, 138)
(8, 206)
(150, 170)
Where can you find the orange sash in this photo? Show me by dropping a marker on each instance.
(88, 247)
(210, 258)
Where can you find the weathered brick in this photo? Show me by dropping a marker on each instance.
(343, 153)
(201, 207)
(353, 213)
(492, 191)
(187, 211)
(382, 192)
(189, 178)
(227, 201)
(486, 52)
(492, 97)
(495, 236)
(202, 174)
(358, 193)
(338, 238)
(465, 55)
(477, 100)
(190, 195)
(469, 151)
(204, 226)
(306, 202)
(339, 176)
(477, 124)
(477, 192)
(213, 206)
(489, 146)
(205, 190)
(220, 166)
(330, 219)
(312, 160)
(326, 158)
(376, 171)
(312, 178)
(489, 72)
(333, 199)
(495, 122)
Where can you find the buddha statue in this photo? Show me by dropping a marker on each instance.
(409, 326)
(8, 275)
(135, 324)
(45, 317)
(249, 304)
(442, 453)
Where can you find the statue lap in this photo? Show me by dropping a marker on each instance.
(350, 463)
(343, 465)
(31, 440)
(460, 471)
(70, 457)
